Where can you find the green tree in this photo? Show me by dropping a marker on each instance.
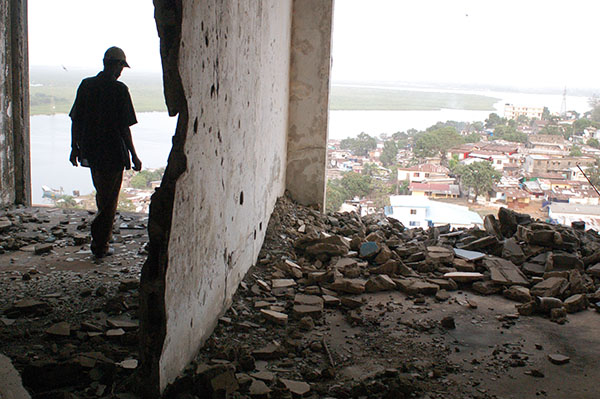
(594, 102)
(369, 169)
(356, 185)
(593, 143)
(509, 133)
(472, 138)
(438, 141)
(523, 120)
(335, 196)
(581, 124)
(453, 163)
(546, 114)
(141, 180)
(593, 174)
(494, 120)
(554, 130)
(361, 145)
(389, 153)
(349, 186)
(576, 151)
(479, 176)
(477, 126)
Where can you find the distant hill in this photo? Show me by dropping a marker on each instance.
(367, 98)
(52, 89)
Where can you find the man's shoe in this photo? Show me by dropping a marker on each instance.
(108, 252)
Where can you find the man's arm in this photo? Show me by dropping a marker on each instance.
(75, 136)
(137, 164)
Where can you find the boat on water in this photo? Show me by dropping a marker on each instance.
(52, 193)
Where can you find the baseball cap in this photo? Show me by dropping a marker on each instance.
(115, 53)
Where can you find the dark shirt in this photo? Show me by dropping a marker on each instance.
(103, 110)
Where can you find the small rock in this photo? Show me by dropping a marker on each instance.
(275, 317)
(299, 388)
(380, 282)
(517, 293)
(282, 283)
(62, 329)
(442, 295)
(369, 249)
(576, 303)
(306, 323)
(448, 323)
(558, 359)
(43, 248)
(259, 389)
(464, 277)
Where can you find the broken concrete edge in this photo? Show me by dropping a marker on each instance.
(168, 16)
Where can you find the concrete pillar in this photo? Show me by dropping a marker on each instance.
(15, 178)
(309, 100)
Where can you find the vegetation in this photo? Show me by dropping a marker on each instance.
(593, 143)
(349, 186)
(494, 120)
(65, 201)
(361, 145)
(478, 176)
(389, 153)
(125, 204)
(142, 180)
(594, 175)
(363, 98)
(576, 151)
(53, 90)
(508, 133)
(435, 142)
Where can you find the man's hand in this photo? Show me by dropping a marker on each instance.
(73, 157)
(137, 164)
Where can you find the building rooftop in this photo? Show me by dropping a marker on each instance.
(576, 209)
(438, 212)
(429, 168)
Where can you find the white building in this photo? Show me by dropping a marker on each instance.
(425, 173)
(513, 112)
(567, 213)
(421, 212)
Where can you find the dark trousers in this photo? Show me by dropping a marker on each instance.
(108, 185)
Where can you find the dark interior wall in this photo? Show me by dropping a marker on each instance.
(15, 178)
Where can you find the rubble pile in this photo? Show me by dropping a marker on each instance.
(313, 267)
(337, 306)
(69, 321)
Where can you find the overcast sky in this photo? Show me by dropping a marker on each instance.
(76, 33)
(527, 43)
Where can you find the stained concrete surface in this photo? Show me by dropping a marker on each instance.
(66, 284)
(11, 386)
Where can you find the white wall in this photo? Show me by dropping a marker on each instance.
(403, 214)
(234, 65)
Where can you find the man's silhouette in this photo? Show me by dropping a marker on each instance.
(101, 140)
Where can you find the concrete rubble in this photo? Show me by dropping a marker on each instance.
(337, 306)
(69, 321)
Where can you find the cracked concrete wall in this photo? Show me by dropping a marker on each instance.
(309, 100)
(234, 67)
(14, 104)
(226, 72)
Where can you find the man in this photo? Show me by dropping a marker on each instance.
(101, 140)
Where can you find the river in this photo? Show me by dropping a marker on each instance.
(51, 135)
